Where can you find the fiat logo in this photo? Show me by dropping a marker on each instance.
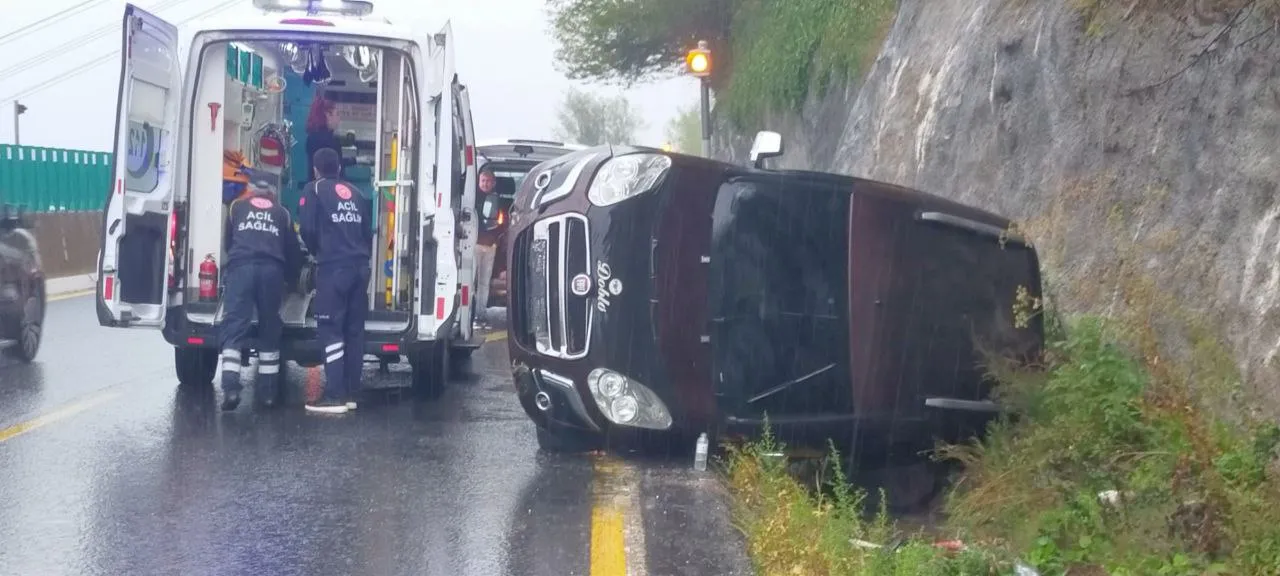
(581, 285)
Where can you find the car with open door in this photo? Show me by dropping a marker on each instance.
(511, 160)
(240, 89)
(660, 292)
(22, 286)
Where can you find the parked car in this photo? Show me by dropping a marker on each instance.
(511, 160)
(22, 286)
(665, 292)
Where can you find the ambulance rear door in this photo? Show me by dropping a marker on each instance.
(467, 210)
(133, 266)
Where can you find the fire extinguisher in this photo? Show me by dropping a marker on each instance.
(209, 279)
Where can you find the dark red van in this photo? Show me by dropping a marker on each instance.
(660, 291)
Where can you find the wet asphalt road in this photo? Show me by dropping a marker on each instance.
(107, 467)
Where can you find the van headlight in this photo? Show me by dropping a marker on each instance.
(624, 177)
(627, 402)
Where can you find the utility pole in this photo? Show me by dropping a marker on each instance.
(698, 62)
(18, 109)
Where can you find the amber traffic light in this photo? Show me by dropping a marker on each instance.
(698, 60)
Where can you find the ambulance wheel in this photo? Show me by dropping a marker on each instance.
(195, 366)
(430, 370)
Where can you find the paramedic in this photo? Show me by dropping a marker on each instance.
(334, 218)
(486, 248)
(262, 253)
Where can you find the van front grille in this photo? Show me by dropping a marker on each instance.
(549, 256)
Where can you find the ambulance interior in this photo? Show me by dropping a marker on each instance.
(253, 103)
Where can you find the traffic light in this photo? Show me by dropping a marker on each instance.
(698, 60)
(19, 108)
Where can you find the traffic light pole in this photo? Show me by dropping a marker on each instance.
(706, 117)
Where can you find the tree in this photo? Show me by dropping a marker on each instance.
(623, 41)
(592, 120)
(685, 130)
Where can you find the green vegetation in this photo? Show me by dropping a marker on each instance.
(782, 48)
(768, 53)
(591, 120)
(684, 131)
(794, 530)
(1122, 461)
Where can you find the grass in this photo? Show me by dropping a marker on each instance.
(782, 48)
(794, 529)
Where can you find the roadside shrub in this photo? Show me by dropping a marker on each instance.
(782, 48)
(1121, 461)
(819, 530)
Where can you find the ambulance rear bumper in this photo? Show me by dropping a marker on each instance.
(300, 344)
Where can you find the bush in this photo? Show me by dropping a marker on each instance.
(783, 47)
(1119, 462)
(794, 530)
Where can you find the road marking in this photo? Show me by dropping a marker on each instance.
(496, 336)
(617, 534)
(70, 295)
(59, 414)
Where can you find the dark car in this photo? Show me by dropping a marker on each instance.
(22, 291)
(511, 160)
(659, 291)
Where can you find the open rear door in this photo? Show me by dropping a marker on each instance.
(135, 258)
(467, 209)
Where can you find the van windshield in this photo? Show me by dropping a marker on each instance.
(778, 294)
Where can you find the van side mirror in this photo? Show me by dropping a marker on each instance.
(766, 145)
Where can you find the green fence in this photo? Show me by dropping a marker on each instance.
(54, 179)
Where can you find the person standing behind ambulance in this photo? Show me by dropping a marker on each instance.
(486, 249)
(335, 219)
(262, 252)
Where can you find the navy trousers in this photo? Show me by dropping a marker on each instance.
(256, 285)
(342, 304)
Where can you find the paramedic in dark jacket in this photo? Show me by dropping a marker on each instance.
(262, 253)
(336, 222)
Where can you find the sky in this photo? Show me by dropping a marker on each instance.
(505, 56)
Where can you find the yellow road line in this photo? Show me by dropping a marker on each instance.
(496, 336)
(608, 539)
(70, 295)
(59, 414)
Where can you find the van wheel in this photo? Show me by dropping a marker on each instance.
(27, 331)
(195, 366)
(430, 370)
(563, 441)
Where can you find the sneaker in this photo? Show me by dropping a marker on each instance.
(351, 405)
(327, 407)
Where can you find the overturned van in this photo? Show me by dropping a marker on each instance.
(258, 89)
(659, 291)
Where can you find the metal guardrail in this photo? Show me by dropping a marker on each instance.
(54, 179)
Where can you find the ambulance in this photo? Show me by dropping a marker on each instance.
(249, 88)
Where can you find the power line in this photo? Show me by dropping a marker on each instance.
(99, 60)
(61, 49)
(47, 20)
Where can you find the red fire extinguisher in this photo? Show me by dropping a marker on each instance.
(209, 279)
